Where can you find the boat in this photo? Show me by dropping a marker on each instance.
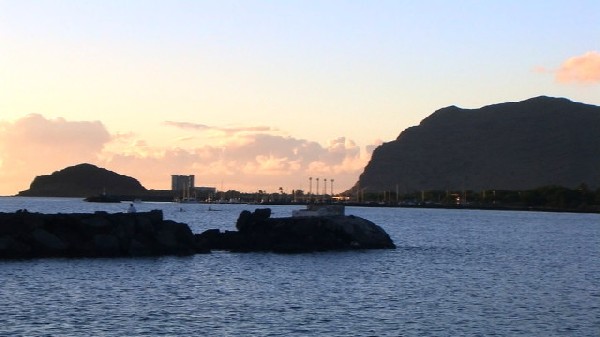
(319, 210)
(102, 198)
(186, 201)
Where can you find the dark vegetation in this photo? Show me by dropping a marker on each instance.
(550, 198)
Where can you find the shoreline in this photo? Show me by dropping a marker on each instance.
(591, 209)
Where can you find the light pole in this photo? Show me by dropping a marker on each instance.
(310, 186)
(325, 186)
(331, 180)
(317, 188)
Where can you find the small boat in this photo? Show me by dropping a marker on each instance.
(319, 210)
(102, 198)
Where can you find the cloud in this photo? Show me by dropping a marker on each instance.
(260, 161)
(188, 125)
(228, 131)
(246, 129)
(540, 70)
(580, 69)
(371, 147)
(35, 145)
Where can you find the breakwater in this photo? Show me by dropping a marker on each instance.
(25, 234)
(100, 234)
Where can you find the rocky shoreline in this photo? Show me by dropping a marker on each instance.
(35, 235)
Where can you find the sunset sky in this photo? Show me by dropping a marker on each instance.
(253, 95)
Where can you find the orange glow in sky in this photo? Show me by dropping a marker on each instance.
(253, 95)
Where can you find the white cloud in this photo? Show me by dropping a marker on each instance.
(580, 69)
(261, 161)
(225, 130)
(35, 145)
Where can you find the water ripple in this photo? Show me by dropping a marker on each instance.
(454, 273)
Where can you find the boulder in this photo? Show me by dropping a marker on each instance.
(106, 245)
(48, 242)
(248, 219)
(10, 247)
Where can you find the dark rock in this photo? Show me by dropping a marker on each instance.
(297, 234)
(48, 242)
(137, 248)
(214, 239)
(144, 225)
(176, 238)
(30, 235)
(243, 220)
(11, 247)
(97, 222)
(83, 180)
(33, 235)
(106, 245)
(247, 220)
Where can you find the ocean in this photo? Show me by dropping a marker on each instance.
(454, 273)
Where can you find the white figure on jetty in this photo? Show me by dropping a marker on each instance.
(131, 209)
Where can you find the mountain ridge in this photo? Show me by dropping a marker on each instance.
(514, 146)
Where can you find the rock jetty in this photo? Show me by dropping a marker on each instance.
(257, 231)
(100, 234)
(35, 235)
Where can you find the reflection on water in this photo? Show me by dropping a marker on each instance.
(455, 273)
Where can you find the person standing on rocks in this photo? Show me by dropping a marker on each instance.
(131, 209)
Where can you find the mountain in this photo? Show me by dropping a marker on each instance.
(538, 142)
(81, 181)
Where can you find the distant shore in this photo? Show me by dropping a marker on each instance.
(593, 209)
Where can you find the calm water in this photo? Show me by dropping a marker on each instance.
(455, 273)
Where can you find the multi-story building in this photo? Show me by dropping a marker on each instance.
(182, 185)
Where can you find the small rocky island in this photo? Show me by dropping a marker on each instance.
(34, 235)
(257, 231)
(83, 180)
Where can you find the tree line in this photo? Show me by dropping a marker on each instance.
(552, 197)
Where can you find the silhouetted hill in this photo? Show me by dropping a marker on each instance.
(81, 181)
(541, 141)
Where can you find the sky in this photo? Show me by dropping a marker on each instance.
(257, 95)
